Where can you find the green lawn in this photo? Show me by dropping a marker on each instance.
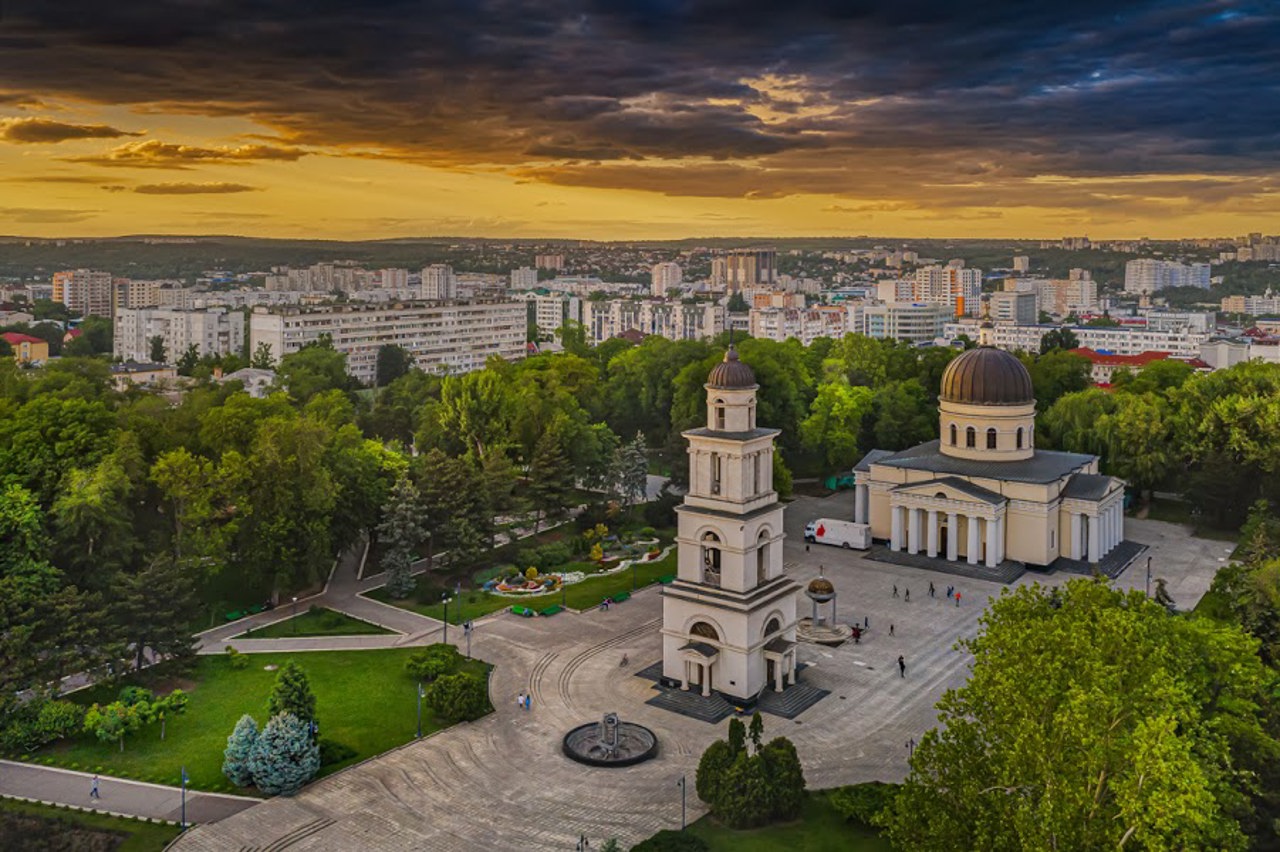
(317, 621)
(583, 595)
(820, 829)
(364, 700)
(58, 828)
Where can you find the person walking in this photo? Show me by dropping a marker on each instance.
(907, 596)
(866, 622)
(93, 791)
(528, 701)
(931, 594)
(890, 629)
(950, 589)
(520, 700)
(902, 666)
(957, 599)
(895, 590)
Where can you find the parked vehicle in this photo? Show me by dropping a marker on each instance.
(844, 534)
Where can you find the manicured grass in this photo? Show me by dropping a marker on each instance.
(59, 828)
(583, 595)
(819, 829)
(364, 700)
(317, 621)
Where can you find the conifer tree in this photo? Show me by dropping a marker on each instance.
(284, 757)
(235, 759)
(292, 694)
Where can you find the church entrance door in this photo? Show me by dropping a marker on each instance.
(942, 540)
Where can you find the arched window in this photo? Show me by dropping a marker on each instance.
(711, 559)
(762, 558)
(953, 434)
(991, 439)
(772, 627)
(971, 437)
(719, 425)
(1019, 437)
(704, 631)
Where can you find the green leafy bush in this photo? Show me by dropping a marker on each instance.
(861, 802)
(669, 840)
(332, 751)
(433, 662)
(458, 697)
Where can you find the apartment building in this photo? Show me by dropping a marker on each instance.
(804, 324)
(524, 278)
(664, 276)
(1147, 275)
(1014, 307)
(1257, 306)
(1119, 341)
(439, 282)
(674, 320)
(85, 291)
(916, 323)
(212, 331)
(550, 311)
(741, 268)
(958, 288)
(442, 337)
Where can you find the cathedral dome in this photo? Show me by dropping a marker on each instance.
(731, 374)
(987, 376)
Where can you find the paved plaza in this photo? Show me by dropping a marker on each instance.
(502, 782)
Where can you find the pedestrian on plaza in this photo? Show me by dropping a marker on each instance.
(890, 629)
(950, 589)
(931, 589)
(902, 666)
(866, 622)
(528, 701)
(806, 547)
(908, 596)
(93, 791)
(520, 700)
(895, 590)
(957, 599)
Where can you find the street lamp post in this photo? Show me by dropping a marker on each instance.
(682, 797)
(444, 598)
(466, 629)
(421, 693)
(294, 617)
(184, 798)
(1148, 576)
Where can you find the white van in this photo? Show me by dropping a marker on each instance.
(844, 534)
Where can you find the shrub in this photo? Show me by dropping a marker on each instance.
(433, 662)
(670, 840)
(458, 697)
(332, 751)
(284, 757)
(135, 695)
(746, 797)
(292, 694)
(786, 778)
(58, 720)
(235, 659)
(235, 759)
(715, 761)
(862, 802)
(746, 789)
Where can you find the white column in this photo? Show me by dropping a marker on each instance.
(913, 531)
(706, 680)
(933, 533)
(953, 536)
(861, 504)
(1118, 511)
(777, 676)
(972, 556)
(895, 532)
(1000, 535)
(1075, 537)
(688, 675)
(993, 548)
(1095, 538)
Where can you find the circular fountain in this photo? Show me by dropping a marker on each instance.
(610, 742)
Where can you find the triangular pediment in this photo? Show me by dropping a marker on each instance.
(952, 488)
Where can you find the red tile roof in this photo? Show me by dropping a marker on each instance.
(13, 338)
(1108, 359)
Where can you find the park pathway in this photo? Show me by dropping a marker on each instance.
(119, 796)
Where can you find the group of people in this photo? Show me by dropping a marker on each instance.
(524, 701)
(952, 592)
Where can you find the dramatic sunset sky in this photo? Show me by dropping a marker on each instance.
(621, 119)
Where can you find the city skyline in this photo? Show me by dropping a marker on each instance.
(640, 121)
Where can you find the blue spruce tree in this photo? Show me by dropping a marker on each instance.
(284, 756)
(235, 760)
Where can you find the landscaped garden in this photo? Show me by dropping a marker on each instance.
(821, 828)
(556, 560)
(365, 704)
(29, 826)
(316, 621)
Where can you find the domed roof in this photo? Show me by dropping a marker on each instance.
(820, 586)
(987, 376)
(731, 374)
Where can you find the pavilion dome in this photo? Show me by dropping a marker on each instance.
(820, 586)
(731, 373)
(987, 376)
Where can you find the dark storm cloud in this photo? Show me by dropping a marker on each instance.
(43, 130)
(945, 99)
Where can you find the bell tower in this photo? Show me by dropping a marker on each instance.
(730, 598)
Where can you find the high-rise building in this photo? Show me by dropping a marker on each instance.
(524, 278)
(665, 276)
(916, 323)
(749, 268)
(550, 311)
(1147, 275)
(1019, 308)
(439, 283)
(958, 288)
(215, 331)
(554, 262)
(85, 291)
(137, 293)
(673, 320)
(442, 336)
(393, 279)
(803, 324)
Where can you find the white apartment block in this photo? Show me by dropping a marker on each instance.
(1059, 296)
(804, 324)
(442, 337)
(524, 278)
(85, 291)
(215, 331)
(343, 276)
(550, 311)
(674, 320)
(1146, 275)
(393, 279)
(1117, 341)
(1018, 308)
(439, 283)
(135, 293)
(1257, 306)
(664, 276)
(916, 323)
(954, 286)
(1164, 320)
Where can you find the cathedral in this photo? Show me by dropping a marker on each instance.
(729, 617)
(983, 493)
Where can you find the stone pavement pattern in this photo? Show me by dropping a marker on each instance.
(118, 796)
(502, 782)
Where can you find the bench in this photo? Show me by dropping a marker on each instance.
(667, 580)
(621, 596)
(551, 610)
(523, 611)
(234, 615)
